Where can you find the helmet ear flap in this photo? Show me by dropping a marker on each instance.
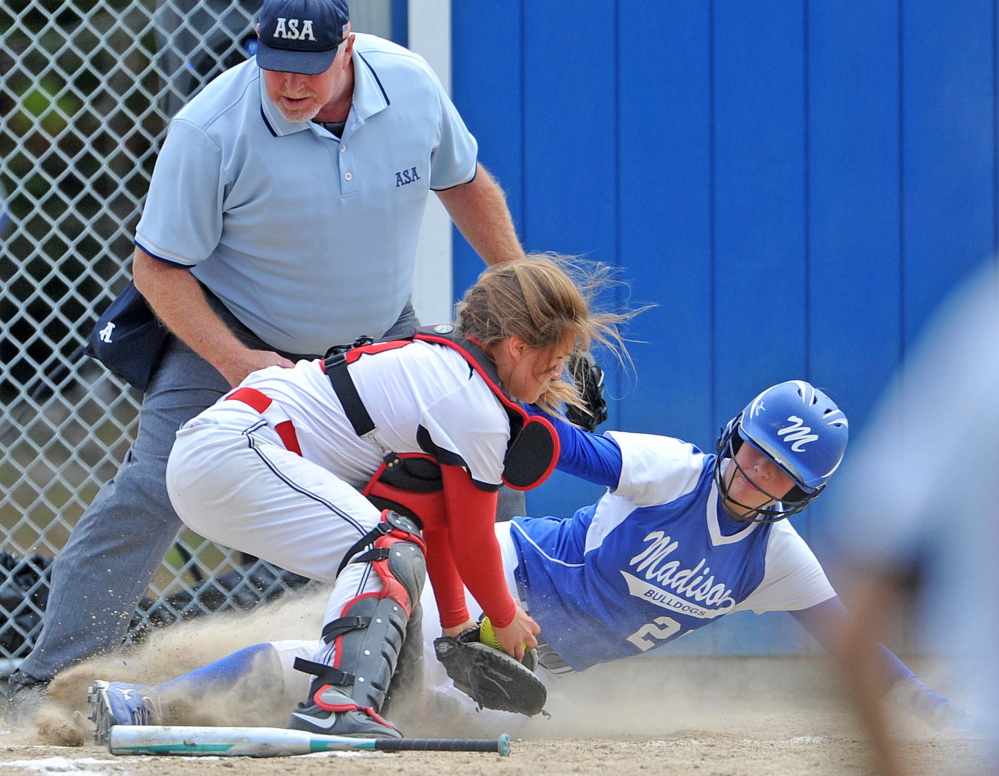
(797, 499)
(797, 496)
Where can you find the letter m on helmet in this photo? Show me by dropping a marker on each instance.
(797, 434)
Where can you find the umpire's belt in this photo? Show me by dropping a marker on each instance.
(265, 406)
(343, 385)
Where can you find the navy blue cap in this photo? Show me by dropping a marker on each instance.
(301, 36)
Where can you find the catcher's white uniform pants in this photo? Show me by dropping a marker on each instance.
(232, 480)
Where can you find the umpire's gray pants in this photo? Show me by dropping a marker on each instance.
(119, 542)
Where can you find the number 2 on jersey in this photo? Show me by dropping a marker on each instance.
(660, 629)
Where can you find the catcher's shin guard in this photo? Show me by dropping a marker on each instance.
(346, 698)
(406, 690)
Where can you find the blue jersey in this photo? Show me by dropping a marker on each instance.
(655, 558)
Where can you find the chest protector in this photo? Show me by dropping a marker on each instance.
(531, 453)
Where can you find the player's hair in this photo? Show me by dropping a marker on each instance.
(545, 300)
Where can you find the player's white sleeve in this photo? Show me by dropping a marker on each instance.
(793, 578)
(656, 469)
(471, 424)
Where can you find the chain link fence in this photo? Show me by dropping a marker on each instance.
(86, 92)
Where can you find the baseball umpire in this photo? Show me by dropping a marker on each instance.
(282, 218)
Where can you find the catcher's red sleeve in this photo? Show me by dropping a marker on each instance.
(471, 517)
(449, 591)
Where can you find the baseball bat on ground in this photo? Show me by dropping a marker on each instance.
(274, 742)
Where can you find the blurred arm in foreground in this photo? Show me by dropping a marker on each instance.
(922, 518)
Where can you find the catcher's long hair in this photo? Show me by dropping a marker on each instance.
(545, 300)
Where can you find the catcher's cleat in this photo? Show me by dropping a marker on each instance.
(351, 721)
(119, 703)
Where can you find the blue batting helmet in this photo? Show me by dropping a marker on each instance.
(797, 427)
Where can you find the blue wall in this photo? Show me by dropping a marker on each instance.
(794, 184)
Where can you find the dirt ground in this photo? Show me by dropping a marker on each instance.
(675, 715)
(741, 740)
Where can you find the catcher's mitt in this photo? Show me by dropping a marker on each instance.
(490, 677)
(589, 379)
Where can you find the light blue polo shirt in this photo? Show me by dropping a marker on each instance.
(308, 239)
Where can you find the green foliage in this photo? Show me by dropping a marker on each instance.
(43, 108)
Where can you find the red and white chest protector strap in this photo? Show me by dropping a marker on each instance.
(533, 449)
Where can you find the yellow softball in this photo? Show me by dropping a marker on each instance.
(488, 636)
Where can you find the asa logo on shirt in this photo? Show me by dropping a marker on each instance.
(294, 29)
(663, 581)
(406, 176)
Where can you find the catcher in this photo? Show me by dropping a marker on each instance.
(681, 538)
(276, 468)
